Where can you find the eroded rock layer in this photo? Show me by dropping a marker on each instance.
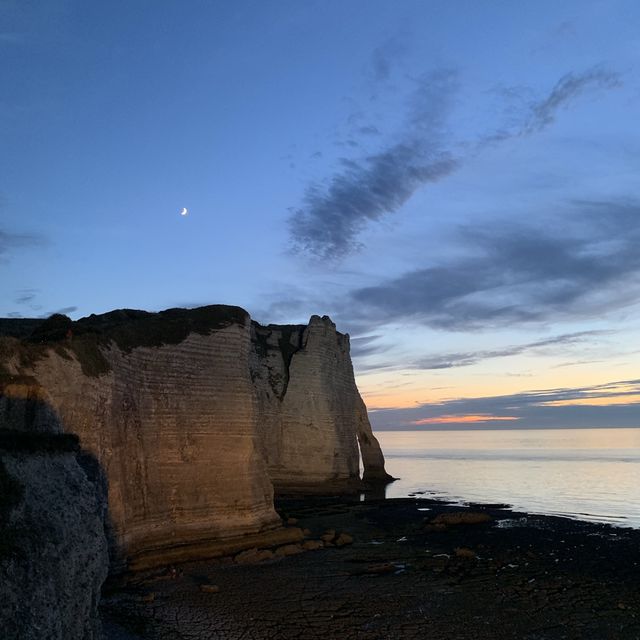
(194, 416)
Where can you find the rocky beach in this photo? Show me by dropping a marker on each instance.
(397, 569)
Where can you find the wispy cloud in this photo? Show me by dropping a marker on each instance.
(386, 56)
(25, 296)
(365, 190)
(567, 89)
(65, 311)
(369, 130)
(366, 345)
(519, 274)
(613, 404)
(332, 216)
(11, 241)
(465, 359)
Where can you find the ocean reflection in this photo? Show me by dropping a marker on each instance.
(591, 474)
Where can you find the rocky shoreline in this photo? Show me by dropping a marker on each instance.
(401, 568)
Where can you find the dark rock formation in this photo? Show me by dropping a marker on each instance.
(53, 548)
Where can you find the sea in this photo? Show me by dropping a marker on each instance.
(588, 474)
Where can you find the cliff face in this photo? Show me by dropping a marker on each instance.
(312, 414)
(194, 416)
(53, 548)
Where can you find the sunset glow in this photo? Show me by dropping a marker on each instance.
(463, 419)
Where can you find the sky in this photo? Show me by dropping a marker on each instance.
(454, 183)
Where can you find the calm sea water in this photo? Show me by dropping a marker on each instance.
(590, 474)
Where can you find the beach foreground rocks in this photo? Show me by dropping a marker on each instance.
(514, 576)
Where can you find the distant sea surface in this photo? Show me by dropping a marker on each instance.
(589, 474)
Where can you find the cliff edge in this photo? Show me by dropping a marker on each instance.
(314, 423)
(194, 416)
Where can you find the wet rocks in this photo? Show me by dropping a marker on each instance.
(289, 550)
(465, 553)
(429, 585)
(328, 537)
(253, 556)
(312, 545)
(456, 518)
(343, 539)
(209, 588)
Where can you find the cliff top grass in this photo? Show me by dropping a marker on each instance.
(131, 328)
(127, 328)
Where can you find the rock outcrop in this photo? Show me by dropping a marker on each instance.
(194, 417)
(53, 547)
(313, 418)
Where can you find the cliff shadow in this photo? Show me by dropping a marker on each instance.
(55, 531)
(31, 430)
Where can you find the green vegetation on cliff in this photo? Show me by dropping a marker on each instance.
(127, 328)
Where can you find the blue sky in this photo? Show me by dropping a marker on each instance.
(455, 183)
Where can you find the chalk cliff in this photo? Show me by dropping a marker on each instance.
(312, 416)
(194, 416)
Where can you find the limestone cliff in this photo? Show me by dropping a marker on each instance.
(194, 416)
(312, 414)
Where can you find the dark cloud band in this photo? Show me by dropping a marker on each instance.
(520, 274)
(578, 407)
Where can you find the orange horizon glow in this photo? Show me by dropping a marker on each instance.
(604, 401)
(381, 395)
(449, 419)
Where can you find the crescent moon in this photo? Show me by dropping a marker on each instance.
(184, 211)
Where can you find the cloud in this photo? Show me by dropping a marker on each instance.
(386, 56)
(64, 311)
(465, 359)
(369, 130)
(25, 296)
(11, 241)
(529, 116)
(570, 86)
(365, 345)
(515, 274)
(613, 404)
(368, 189)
